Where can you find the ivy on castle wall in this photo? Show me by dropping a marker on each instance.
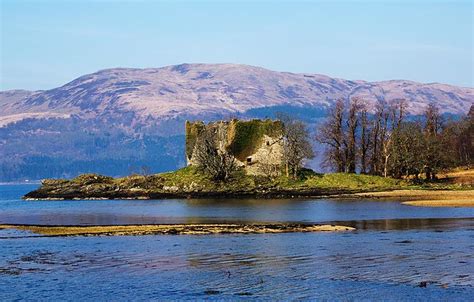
(245, 137)
(192, 132)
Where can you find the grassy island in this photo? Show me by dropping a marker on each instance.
(191, 182)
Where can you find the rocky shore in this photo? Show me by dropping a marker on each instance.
(55, 194)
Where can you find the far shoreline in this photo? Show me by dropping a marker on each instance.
(15, 183)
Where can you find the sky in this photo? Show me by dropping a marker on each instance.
(45, 44)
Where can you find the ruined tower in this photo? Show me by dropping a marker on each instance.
(256, 144)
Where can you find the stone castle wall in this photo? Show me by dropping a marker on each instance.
(256, 144)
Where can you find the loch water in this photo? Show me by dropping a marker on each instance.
(397, 253)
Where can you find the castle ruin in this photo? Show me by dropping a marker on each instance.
(257, 145)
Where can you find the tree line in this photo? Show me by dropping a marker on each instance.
(387, 142)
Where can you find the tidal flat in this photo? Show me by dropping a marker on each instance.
(175, 229)
(426, 198)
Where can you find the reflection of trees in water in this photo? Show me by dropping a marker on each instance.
(407, 224)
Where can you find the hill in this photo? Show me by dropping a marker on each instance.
(117, 120)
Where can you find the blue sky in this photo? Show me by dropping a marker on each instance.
(45, 44)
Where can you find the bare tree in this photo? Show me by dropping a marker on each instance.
(365, 139)
(465, 142)
(219, 164)
(433, 121)
(376, 134)
(296, 146)
(268, 168)
(394, 116)
(386, 150)
(397, 112)
(350, 143)
(433, 157)
(331, 133)
(145, 170)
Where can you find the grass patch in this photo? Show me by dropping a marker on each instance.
(193, 182)
(353, 181)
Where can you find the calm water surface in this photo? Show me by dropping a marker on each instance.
(395, 248)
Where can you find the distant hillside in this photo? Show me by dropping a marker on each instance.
(116, 120)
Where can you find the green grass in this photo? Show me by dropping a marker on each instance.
(353, 181)
(191, 180)
(91, 178)
(308, 179)
(186, 179)
(184, 175)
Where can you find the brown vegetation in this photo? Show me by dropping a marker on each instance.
(438, 198)
(215, 161)
(296, 146)
(175, 229)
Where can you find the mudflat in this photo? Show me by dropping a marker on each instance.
(175, 229)
(427, 198)
(441, 203)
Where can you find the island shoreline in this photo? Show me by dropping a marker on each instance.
(34, 195)
(414, 197)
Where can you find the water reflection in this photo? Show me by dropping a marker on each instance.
(107, 212)
(439, 224)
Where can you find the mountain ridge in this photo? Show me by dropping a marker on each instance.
(221, 88)
(115, 120)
